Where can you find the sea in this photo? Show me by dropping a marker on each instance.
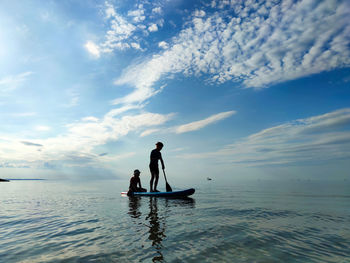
(239, 221)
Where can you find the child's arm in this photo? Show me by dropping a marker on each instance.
(140, 183)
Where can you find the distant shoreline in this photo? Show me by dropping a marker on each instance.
(18, 179)
(4, 180)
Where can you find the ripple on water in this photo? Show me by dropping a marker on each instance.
(243, 226)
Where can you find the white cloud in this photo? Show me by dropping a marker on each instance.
(149, 132)
(42, 128)
(180, 149)
(199, 13)
(76, 147)
(163, 44)
(12, 82)
(90, 118)
(257, 43)
(138, 15)
(126, 32)
(142, 77)
(110, 11)
(93, 49)
(115, 158)
(136, 46)
(153, 28)
(312, 140)
(115, 112)
(157, 10)
(116, 38)
(193, 126)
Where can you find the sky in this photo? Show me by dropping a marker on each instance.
(234, 89)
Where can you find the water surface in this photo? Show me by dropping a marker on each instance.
(255, 221)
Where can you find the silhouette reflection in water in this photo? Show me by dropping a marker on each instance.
(156, 218)
(156, 228)
(134, 205)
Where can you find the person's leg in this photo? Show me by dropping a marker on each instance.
(156, 175)
(140, 189)
(151, 182)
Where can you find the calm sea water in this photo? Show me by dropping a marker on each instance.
(260, 221)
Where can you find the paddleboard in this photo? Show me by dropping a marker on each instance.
(182, 193)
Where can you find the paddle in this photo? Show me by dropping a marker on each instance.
(167, 186)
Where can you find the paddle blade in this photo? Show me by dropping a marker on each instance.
(168, 187)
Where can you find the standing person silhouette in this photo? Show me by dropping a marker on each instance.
(153, 166)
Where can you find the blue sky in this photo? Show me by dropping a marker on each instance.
(234, 89)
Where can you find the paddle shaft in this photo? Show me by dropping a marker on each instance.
(165, 176)
(168, 187)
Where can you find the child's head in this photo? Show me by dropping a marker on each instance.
(137, 173)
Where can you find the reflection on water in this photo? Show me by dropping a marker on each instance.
(156, 218)
(156, 228)
(134, 204)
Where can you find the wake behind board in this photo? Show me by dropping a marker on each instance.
(174, 194)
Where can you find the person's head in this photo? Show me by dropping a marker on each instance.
(159, 145)
(137, 172)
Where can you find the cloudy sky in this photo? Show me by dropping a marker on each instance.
(234, 89)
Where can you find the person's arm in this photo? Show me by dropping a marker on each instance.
(161, 160)
(139, 182)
